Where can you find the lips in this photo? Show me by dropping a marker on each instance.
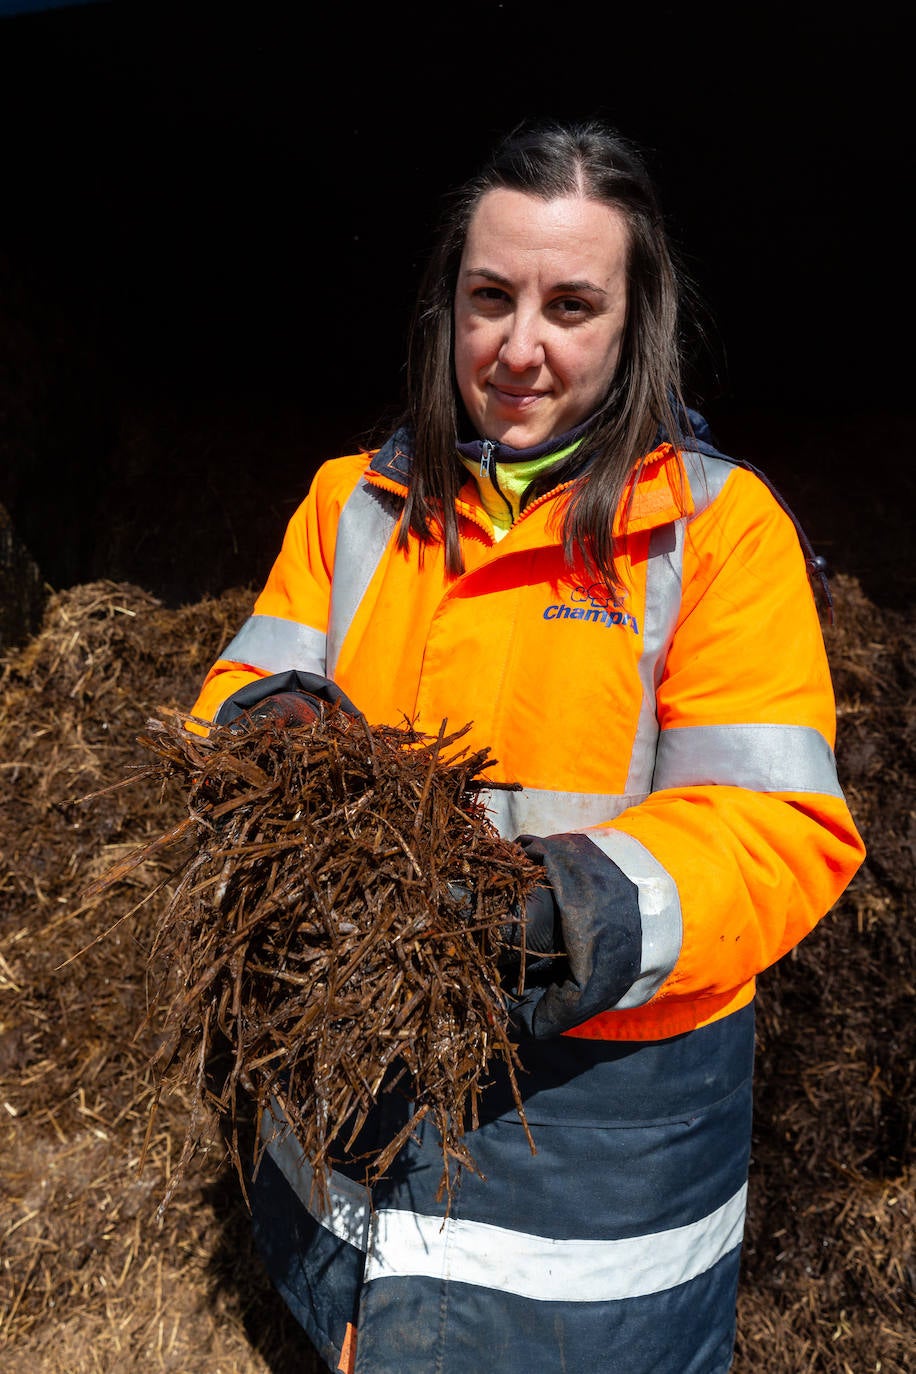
(515, 396)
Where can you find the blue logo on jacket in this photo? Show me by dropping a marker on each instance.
(594, 605)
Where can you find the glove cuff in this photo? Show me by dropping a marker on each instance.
(295, 680)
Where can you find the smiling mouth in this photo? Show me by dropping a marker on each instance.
(516, 395)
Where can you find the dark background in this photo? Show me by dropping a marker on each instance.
(212, 221)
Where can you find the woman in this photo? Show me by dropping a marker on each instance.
(550, 547)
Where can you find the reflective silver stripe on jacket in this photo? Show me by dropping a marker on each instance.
(762, 757)
(539, 811)
(664, 582)
(273, 644)
(664, 576)
(366, 524)
(659, 910)
(403, 1244)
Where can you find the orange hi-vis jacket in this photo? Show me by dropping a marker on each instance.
(683, 721)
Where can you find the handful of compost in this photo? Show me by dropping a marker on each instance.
(313, 947)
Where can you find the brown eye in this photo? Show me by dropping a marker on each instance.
(572, 307)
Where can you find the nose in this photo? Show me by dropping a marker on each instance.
(523, 347)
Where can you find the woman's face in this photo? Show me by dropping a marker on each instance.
(540, 308)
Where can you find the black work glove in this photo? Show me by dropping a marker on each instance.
(540, 927)
(286, 708)
(598, 930)
(298, 698)
(543, 941)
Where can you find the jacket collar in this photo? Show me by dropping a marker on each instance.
(503, 453)
(659, 495)
(393, 461)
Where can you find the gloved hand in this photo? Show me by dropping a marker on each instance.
(300, 698)
(286, 708)
(597, 927)
(540, 927)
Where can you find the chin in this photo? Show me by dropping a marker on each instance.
(524, 438)
(516, 432)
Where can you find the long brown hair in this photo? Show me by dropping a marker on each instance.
(549, 161)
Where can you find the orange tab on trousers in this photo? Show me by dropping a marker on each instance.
(347, 1362)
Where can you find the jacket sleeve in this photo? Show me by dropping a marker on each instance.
(288, 625)
(745, 840)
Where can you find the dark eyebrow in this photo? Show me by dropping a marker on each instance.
(571, 287)
(574, 286)
(490, 276)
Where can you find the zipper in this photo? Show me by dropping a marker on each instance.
(488, 449)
